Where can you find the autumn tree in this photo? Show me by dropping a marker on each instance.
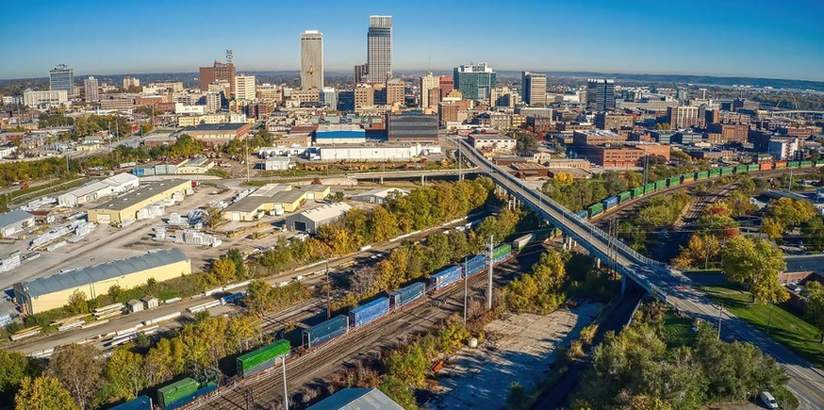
(164, 361)
(43, 393)
(814, 308)
(79, 370)
(13, 368)
(124, 374)
(755, 264)
(223, 271)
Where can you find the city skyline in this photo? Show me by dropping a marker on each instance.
(600, 37)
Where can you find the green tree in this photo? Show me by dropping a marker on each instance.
(13, 368)
(77, 303)
(814, 308)
(755, 264)
(164, 361)
(124, 374)
(79, 370)
(224, 270)
(43, 393)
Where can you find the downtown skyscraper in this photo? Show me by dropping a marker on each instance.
(61, 78)
(379, 49)
(311, 60)
(600, 94)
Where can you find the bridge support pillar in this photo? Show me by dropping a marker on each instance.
(422, 180)
(381, 181)
(598, 263)
(623, 284)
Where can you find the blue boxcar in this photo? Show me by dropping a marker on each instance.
(446, 277)
(326, 330)
(139, 403)
(369, 312)
(406, 294)
(475, 265)
(206, 389)
(610, 202)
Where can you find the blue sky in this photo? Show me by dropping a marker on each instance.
(780, 39)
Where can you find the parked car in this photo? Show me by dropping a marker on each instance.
(768, 400)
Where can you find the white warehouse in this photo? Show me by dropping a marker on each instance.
(110, 186)
(377, 152)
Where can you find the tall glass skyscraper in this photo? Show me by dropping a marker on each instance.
(379, 49)
(61, 78)
(311, 60)
(474, 81)
(600, 94)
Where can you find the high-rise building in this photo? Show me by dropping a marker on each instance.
(533, 88)
(62, 78)
(683, 116)
(364, 96)
(474, 81)
(217, 72)
(446, 84)
(428, 84)
(245, 88)
(395, 91)
(600, 94)
(311, 60)
(379, 49)
(90, 88)
(329, 97)
(214, 101)
(129, 82)
(361, 70)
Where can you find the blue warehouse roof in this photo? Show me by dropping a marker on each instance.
(357, 399)
(13, 217)
(104, 271)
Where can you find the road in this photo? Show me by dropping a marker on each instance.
(658, 279)
(805, 263)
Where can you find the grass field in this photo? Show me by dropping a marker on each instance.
(678, 331)
(782, 325)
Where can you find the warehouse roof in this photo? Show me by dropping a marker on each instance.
(13, 217)
(380, 193)
(326, 212)
(357, 399)
(288, 197)
(230, 126)
(249, 204)
(141, 194)
(104, 271)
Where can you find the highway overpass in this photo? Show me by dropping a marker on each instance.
(658, 279)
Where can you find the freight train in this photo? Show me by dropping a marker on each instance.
(613, 201)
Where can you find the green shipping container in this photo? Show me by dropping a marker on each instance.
(806, 164)
(249, 362)
(794, 164)
(715, 172)
(623, 196)
(171, 393)
(752, 167)
(673, 181)
(595, 209)
(727, 170)
(638, 192)
(702, 175)
(649, 187)
(501, 251)
(741, 169)
(660, 184)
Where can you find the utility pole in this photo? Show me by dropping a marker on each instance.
(466, 288)
(285, 391)
(246, 147)
(328, 293)
(489, 284)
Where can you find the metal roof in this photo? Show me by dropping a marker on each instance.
(357, 399)
(13, 217)
(141, 194)
(104, 271)
(326, 212)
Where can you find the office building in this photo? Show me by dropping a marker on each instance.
(245, 88)
(361, 70)
(474, 81)
(130, 82)
(600, 94)
(611, 121)
(346, 100)
(311, 60)
(726, 133)
(533, 89)
(683, 116)
(62, 78)
(45, 99)
(412, 126)
(395, 91)
(51, 292)
(446, 84)
(379, 49)
(214, 101)
(91, 90)
(364, 96)
(216, 73)
(428, 85)
(329, 97)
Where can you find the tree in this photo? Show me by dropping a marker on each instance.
(77, 303)
(13, 368)
(164, 361)
(814, 308)
(772, 227)
(813, 232)
(79, 370)
(224, 270)
(43, 393)
(755, 264)
(124, 374)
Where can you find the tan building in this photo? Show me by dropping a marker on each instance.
(364, 96)
(430, 91)
(683, 116)
(274, 199)
(395, 91)
(52, 292)
(245, 88)
(493, 143)
(124, 208)
(217, 134)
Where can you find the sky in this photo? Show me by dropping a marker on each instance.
(755, 38)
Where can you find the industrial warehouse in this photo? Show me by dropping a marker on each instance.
(54, 291)
(110, 186)
(124, 208)
(274, 199)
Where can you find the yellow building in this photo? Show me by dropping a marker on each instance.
(255, 207)
(51, 292)
(125, 207)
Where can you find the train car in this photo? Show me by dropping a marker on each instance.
(727, 171)
(406, 295)
(262, 358)
(806, 164)
(595, 209)
(610, 202)
(660, 184)
(139, 403)
(780, 164)
(175, 394)
(584, 214)
(232, 298)
(765, 166)
(374, 310)
(325, 331)
(520, 242)
(674, 181)
(474, 265)
(649, 188)
(445, 277)
(687, 177)
(702, 175)
(624, 196)
(501, 253)
(740, 169)
(202, 391)
(819, 163)
(794, 164)
(715, 172)
(753, 168)
(637, 192)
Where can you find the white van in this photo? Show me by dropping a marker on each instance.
(768, 400)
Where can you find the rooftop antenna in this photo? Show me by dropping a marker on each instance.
(228, 56)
